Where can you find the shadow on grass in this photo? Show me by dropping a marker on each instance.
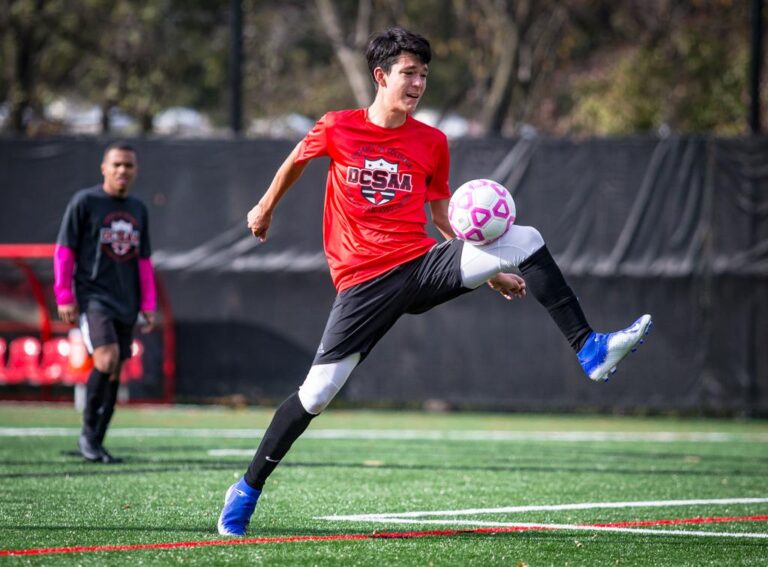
(667, 455)
(137, 465)
(560, 452)
(102, 528)
(564, 454)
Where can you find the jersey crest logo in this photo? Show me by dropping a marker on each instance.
(379, 180)
(120, 238)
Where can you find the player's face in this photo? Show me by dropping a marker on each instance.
(119, 169)
(405, 83)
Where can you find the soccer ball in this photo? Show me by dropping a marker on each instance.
(480, 211)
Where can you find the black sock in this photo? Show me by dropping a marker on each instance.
(289, 422)
(107, 409)
(547, 284)
(95, 391)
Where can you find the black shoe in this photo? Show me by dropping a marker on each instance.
(89, 450)
(108, 459)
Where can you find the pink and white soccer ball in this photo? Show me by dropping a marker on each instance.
(481, 210)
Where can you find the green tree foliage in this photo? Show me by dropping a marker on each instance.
(689, 74)
(152, 55)
(586, 67)
(289, 63)
(140, 56)
(34, 56)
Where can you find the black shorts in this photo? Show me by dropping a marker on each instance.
(100, 329)
(362, 314)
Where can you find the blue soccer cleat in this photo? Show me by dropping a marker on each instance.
(603, 351)
(239, 504)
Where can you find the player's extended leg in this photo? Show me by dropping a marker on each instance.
(291, 419)
(523, 247)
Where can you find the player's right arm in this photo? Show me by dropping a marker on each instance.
(260, 216)
(64, 262)
(63, 269)
(69, 313)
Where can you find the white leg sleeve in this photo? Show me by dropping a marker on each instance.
(479, 263)
(324, 381)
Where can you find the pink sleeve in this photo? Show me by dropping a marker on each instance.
(63, 268)
(147, 285)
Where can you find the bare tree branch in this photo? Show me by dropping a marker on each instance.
(363, 25)
(354, 67)
(506, 44)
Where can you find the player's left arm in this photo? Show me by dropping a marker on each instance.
(438, 189)
(510, 286)
(148, 294)
(147, 285)
(439, 211)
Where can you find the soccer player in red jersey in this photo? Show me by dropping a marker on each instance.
(385, 166)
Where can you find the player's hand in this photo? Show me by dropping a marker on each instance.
(510, 286)
(69, 313)
(259, 220)
(149, 323)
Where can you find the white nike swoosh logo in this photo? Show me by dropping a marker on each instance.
(271, 460)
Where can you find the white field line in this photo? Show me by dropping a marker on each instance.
(399, 517)
(579, 527)
(406, 434)
(418, 518)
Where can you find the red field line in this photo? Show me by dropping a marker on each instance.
(243, 541)
(350, 537)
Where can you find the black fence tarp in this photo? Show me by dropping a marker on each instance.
(675, 227)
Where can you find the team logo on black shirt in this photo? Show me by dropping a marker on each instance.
(378, 180)
(120, 236)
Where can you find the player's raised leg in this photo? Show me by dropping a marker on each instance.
(523, 247)
(602, 352)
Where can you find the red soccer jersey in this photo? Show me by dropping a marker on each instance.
(378, 182)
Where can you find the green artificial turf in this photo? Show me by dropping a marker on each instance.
(171, 486)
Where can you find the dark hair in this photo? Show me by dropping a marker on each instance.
(119, 145)
(384, 48)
